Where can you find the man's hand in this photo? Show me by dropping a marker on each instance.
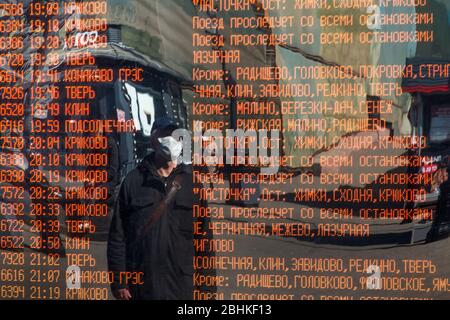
(122, 294)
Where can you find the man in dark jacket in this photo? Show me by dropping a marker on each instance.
(150, 245)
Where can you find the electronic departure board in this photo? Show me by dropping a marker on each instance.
(225, 150)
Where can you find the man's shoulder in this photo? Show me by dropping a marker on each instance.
(184, 168)
(183, 174)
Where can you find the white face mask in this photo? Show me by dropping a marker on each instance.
(170, 148)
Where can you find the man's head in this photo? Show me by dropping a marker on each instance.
(162, 127)
(167, 155)
(167, 149)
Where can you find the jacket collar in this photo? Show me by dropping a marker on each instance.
(148, 170)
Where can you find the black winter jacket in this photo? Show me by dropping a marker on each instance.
(161, 260)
